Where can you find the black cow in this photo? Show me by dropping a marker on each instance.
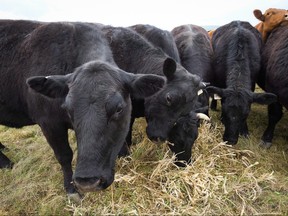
(133, 53)
(274, 77)
(185, 131)
(159, 38)
(194, 47)
(195, 51)
(236, 66)
(93, 99)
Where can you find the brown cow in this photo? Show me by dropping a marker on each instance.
(210, 33)
(269, 20)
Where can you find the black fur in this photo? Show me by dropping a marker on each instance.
(274, 77)
(134, 53)
(236, 66)
(62, 75)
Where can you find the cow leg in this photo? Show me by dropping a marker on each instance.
(244, 130)
(57, 137)
(5, 162)
(274, 115)
(2, 146)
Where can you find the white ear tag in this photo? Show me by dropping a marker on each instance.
(217, 97)
(200, 92)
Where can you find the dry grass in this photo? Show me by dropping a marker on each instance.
(222, 180)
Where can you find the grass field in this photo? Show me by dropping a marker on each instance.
(223, 180)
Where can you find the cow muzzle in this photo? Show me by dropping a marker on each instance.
(230, 140)
(155, 135)
(90, 184)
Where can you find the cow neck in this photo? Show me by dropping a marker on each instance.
(151, 64)
(239, 79)
(260, 28)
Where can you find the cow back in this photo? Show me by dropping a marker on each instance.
(194, 47)
(159, 38)
(237, 46)
(274, 71)
(31, 48)
(132, 52)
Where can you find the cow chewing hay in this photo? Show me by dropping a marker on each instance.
(222, 180)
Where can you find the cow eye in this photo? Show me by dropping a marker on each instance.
(168, 99)
(115, 106)
(64, 106)
(119, 109)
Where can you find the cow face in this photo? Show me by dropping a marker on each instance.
(177, 98)
(96, 97)
(271, 18)
(236, 104)
(183, 135)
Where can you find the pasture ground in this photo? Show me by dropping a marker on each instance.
(223, 180)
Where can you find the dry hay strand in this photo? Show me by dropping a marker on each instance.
(35, 177)
(221, 180)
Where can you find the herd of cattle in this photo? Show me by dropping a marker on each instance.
(96, 79)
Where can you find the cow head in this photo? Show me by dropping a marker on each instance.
(236, 104)
(183, 135)
(96, 97)
(270, 19)
(177, 98)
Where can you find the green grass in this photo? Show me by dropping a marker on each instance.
(240, 180)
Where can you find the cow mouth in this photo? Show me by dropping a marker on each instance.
(154, 136)
(157, 140)
(89, 184)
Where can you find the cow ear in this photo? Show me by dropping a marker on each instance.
(142, 86)
(264, 98)
(258, 14)
(169, 68)
(50, 86)
(215, 92)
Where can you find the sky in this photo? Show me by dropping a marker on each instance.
(165, 14)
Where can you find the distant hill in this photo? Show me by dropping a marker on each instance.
(210, 27)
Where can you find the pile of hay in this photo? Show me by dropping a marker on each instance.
(222, 180)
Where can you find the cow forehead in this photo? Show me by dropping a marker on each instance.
(238, 98)
(276, 11)
(97, 74)
(184, 76)
(186, 85)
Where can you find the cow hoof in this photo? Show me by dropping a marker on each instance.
(245, 136)
(265, 145)
(5, 162)
(8, 165)
(75, 198)
(2, 146)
